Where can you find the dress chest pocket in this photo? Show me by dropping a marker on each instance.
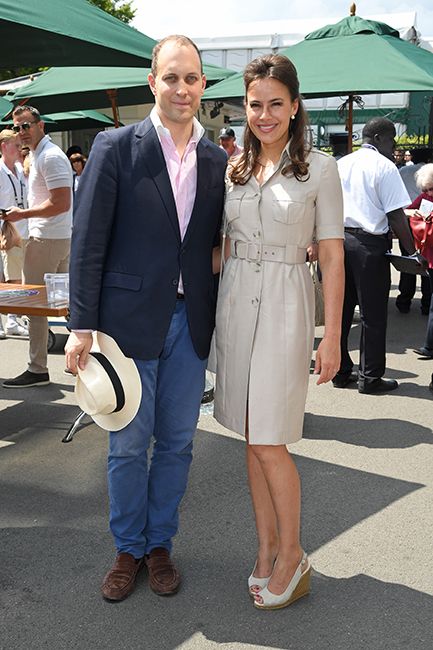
(288, 211)
(233, 206)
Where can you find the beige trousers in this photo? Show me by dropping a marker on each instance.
(42, 256)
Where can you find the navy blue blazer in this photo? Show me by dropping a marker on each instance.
(126, 249)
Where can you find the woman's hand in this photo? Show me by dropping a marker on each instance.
(328, 359)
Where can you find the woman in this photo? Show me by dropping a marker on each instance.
(78, 162)
(423, 236)
(280, 194)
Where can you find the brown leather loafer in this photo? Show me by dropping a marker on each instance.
(164, 578)
(120, 580)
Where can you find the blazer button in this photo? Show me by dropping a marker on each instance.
(174, 282)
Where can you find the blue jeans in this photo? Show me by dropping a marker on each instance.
(145, 497)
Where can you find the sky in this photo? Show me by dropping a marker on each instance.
(188, 16)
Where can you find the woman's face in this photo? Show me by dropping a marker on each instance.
(429, 189)
(77, 166)
(269, 108)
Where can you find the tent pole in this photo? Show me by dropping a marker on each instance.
(112, 96)
(349, 126)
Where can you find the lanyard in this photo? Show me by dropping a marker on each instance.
(19, 204)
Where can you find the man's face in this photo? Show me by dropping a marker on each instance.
(32, 135)
(398, 156)
(11, 151)
(178, 85)
(228, 144)
(385, 144)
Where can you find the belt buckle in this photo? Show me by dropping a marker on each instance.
(256, 256)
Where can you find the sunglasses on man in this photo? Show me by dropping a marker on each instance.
(25, 126)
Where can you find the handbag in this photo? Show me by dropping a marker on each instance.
(9, 236)
(319, 302)
(422, 229)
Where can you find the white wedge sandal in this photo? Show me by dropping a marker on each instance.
(261, 583)
(298, 586)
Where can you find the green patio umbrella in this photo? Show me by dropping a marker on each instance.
(5, 107)
(352, 57)
(54, 32)
(69, 121)
(61, 89)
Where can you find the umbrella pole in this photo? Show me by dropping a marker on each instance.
(112, 96)
(349, 125)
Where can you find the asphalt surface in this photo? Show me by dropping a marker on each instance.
(367, 521)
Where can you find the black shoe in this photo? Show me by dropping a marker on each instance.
(430, 386)
(379, 385)
(341, 381)
(27, 379)
(424, 352)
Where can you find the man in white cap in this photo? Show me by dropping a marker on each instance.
(147, 218)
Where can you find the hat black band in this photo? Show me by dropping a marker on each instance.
(114, 377)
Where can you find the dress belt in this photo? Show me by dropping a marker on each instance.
(253, 252)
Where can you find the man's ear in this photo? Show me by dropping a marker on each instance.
(151, 80)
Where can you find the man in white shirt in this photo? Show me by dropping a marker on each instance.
(374, 197)
(49, 218)
(13, 191)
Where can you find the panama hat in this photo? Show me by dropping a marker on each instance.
(109, 387)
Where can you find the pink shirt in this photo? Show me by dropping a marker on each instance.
(182, 171)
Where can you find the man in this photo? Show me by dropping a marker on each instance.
(374, 197)
(13, 191)
(49, 218)
(227, 140)
(398, 158)
(407, 284)
(147, 217)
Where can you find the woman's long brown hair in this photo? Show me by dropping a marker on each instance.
(275, 66)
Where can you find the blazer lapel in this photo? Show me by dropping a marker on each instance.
(150, 154)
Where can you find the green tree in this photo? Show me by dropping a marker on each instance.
(121, 10)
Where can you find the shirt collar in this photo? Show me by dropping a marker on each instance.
(41, 145)
(198, 130)
(367, 145)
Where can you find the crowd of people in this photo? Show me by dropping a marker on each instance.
(160, 215)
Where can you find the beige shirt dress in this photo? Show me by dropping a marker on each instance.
(265, 310)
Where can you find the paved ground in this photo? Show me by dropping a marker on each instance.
(366, 466)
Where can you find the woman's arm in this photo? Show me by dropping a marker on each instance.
(331, 261)
(216, 254)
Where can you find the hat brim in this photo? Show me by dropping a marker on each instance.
(130, 378)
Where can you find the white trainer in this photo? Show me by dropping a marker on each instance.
(17, 330)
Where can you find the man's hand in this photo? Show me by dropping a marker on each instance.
(420, 259)
(313, 252)
(13, 214)
(77, 349)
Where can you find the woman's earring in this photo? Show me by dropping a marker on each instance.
(293, 116)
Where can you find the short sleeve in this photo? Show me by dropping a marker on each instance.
(57, 171)
(391, 189)
(329, 202)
